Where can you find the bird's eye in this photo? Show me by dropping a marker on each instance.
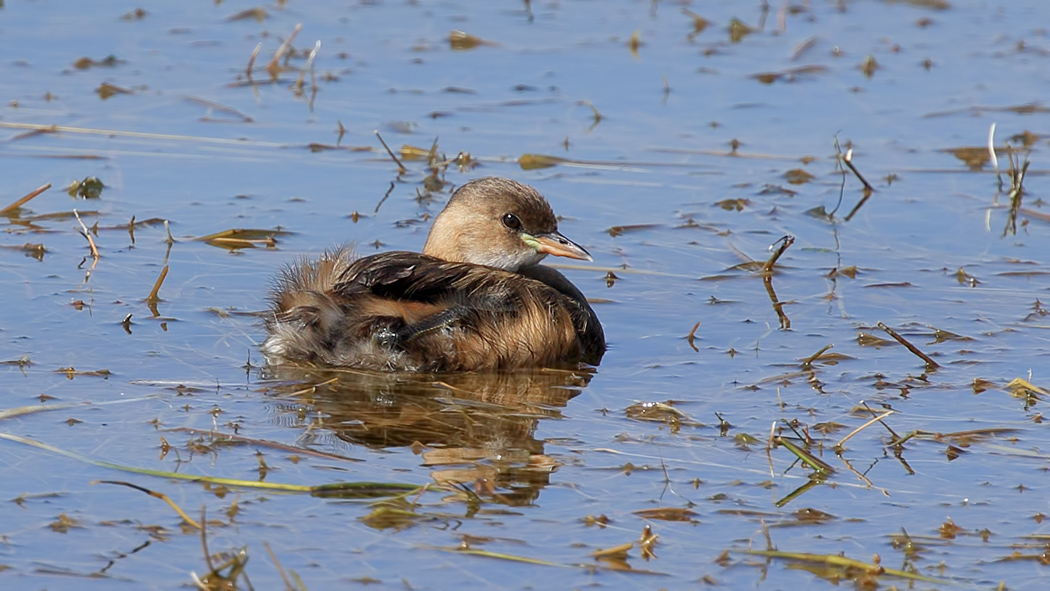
(511, 221)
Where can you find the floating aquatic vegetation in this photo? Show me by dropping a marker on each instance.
(462, 41)
(89, 188)
(85, 63)
(235, 238)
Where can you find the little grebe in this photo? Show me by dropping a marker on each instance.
(476, 299)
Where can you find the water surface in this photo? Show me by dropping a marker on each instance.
(679, 149)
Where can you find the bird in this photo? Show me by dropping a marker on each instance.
(476, 298)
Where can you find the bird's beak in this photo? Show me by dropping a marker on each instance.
(556, 244)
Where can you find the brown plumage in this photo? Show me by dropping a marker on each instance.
(475, 299)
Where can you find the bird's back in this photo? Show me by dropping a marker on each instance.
(406, 311)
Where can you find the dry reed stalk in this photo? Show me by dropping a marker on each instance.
(930, 363)
(24, 200)
(91, 241)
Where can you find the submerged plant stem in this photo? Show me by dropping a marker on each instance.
(336, 489)
(837, 560)
(154, 494)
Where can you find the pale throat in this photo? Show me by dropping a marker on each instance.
(505, 259)
(471, 248)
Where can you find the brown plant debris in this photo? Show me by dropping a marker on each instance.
(20, 202)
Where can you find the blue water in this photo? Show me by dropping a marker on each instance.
(544, 452)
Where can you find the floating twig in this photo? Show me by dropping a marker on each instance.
(91, 241)
(874, 420)
(401, 167)
(930, 363)
(24, 200)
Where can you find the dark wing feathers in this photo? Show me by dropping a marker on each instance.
(416, 277)
(403, 310)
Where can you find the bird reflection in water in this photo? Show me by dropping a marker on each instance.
(472, 429)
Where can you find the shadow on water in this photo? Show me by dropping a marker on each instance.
(472, 429)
